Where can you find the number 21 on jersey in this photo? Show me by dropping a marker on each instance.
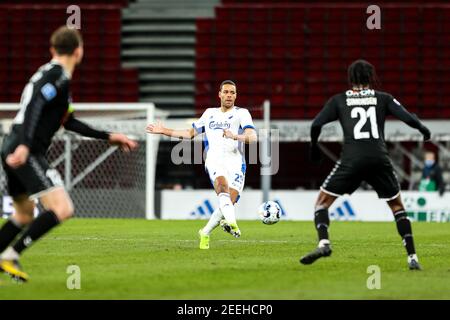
(363, 115)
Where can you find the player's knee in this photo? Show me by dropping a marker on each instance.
(396, 205)
(23, 218)
(222, 186)
(23, 210)
(64, 210)
(397, 208)
(234, 197)
(59, 202)
(324, 201)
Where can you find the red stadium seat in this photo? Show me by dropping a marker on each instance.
(301, 53)
(101, 28)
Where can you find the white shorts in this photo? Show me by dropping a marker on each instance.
(232, 168)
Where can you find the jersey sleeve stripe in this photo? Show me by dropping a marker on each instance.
(199, 130)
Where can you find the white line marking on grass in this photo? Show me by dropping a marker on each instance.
(95, 239)
(343, 243)
(246, 241)
(178, 240)
(258, 241)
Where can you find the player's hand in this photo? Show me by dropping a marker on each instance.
(18, 157)
(122, 141)
(228, 134)
(315, 155)
(156, 128)
(426, 133)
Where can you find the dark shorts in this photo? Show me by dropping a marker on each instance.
(347, 176)
(34, 178)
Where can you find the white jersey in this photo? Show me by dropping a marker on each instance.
(224, 156)
(214, 121)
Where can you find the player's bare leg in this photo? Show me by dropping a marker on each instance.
(405, 231)
(23, 216)
(58, 207)
(322, 223)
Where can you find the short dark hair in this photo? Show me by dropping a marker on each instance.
(362, 72)
(65, 40)
(226, 82)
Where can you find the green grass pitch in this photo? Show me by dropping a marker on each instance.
(138, 259)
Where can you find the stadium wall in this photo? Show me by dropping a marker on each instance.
(299, 205)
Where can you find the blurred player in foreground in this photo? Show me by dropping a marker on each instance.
(361, 112)
(226, 128)
(44, 107)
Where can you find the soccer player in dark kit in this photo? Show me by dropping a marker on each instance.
(44, 108)
(361, 112)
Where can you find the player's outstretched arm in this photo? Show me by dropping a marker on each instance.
(116, 139)
(327, 114)
(398, 111)
(158, 128)
(122, 141)
(248, 136)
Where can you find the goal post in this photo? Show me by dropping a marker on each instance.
(102, 180)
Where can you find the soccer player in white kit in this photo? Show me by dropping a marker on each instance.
(226, 129)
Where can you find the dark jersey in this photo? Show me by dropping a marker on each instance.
(362, 115)
(44, 108)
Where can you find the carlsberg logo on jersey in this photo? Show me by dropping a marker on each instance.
(219, 125)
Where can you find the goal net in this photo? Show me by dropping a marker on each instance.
(102, 180)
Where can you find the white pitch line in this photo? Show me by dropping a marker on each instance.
(240, 240)
(220, 240)
(148, 240)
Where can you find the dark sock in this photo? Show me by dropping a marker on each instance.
(322, 222)
(40, 226)
(8, 233)
(405, 231)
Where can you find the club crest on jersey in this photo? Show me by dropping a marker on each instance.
(48, 91)
(219, 125)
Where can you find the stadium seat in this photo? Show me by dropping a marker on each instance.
(29, 50)
(302, 53)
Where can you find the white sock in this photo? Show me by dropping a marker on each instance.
(10, 254)
(412, 257)
(323, 242)
(213, 221)
(227, 208)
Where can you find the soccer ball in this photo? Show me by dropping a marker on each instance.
(269, 212)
